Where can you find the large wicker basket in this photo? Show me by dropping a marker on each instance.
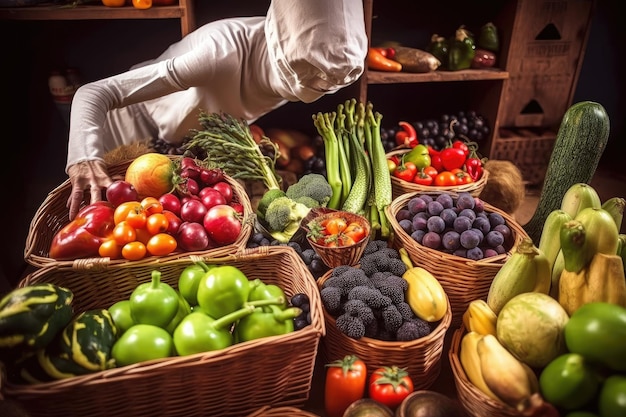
(463, 279)
(275, 371)
(474, 401)
(400, 186)
(421, 357)
(52, 216)
(281, 412)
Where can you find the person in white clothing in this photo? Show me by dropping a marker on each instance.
(246, 67)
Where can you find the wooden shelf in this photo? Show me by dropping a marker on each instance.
(183, 11)
(380, 77)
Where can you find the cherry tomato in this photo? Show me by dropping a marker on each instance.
(462, 177)
(345, 383)
(161, 244)
(431, 170)
(355, 231)
(422, 178)
(110, 249)
(445, 179)
(151, 205)
(122, 211)
(143, 235)
(390, 385)
(405, 171)
(142, 4)
(157, 223)
(136, 218)
(335, 225)
(124, 233)
(134, 251)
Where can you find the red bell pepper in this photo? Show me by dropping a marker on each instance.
(407, 137)
(474, 165)
(435, 158)
(82, 237)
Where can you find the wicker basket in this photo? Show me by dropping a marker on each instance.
(342, 255)
(463, 279)
(473, 400)
(281, 412)
(400, 187)
(420, 357)
(275, 371)
(52, 216)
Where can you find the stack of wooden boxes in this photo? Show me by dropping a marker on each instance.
(544, 58)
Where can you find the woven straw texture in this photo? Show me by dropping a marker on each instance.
(281, 412)
(473, 400)
(420, 357)
(274, 371)
(343, 255)
(52, 216)
(400, 187)
(463, 279)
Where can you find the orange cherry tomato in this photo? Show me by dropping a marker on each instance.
(134, 251)
(143, 235)
(124, 233)
(445, 179)
(136, 219)
(142, 4)
(157, 223)
(114, 3)
(151, 205)
(431, 170)
(110, 249)
(122, 211)
(161, 244)
(355, 231)
(335, 225)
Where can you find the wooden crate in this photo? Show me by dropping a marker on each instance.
(529, 149)
(544, 58)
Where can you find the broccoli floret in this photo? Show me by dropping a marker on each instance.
(266, 199)
(283, 217)
(405, 310)
(371, 296)
(331, 298)
(359, 309)
(392, 291)
(311, 185)
(351, 326)
(348, 279)
(392, 318)
(307, 201)
(412, 329)
(374, 246)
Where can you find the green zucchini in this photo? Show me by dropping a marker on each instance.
(83, 347)
(580, 142)
(31, 316)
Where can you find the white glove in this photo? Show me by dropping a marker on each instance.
(92, 175)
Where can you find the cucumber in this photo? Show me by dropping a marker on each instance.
(580, 142)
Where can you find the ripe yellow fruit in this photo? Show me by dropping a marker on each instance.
(142, 4)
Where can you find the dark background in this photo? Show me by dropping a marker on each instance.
(34, 132)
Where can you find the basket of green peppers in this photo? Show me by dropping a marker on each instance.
(189, 328)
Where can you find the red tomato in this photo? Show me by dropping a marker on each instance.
(462, 177)
(355, 231)
(345, 383)
(222, 224)
(422, 178)
(445, 179)
(431, 170)
(405, 171)
(390, 385)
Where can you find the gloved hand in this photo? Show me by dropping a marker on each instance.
(92, 175)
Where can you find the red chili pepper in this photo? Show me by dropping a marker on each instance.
(474, 168)
(407, 137)
(405, 171)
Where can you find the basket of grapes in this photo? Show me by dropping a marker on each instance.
(460, 239)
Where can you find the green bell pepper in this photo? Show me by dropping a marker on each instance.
(154, 302)
(419, 155)
(189, 280)
(597, 331)
(122, 318)
(262, 291)
(461, 50)
(488, 38)
(269, 321)
(183, 309)
(222, 290)
(142, 342)
(438, 47)
(569, 382)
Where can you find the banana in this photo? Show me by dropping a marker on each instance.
(504, 374)
(578, 197)
(528, 269)
(550, 241)
(557, 269)
(615, 207)
(480, 318)
(468, 355)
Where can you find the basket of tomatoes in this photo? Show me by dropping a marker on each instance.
(338, 237)
(422, 168)
(181, 208)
